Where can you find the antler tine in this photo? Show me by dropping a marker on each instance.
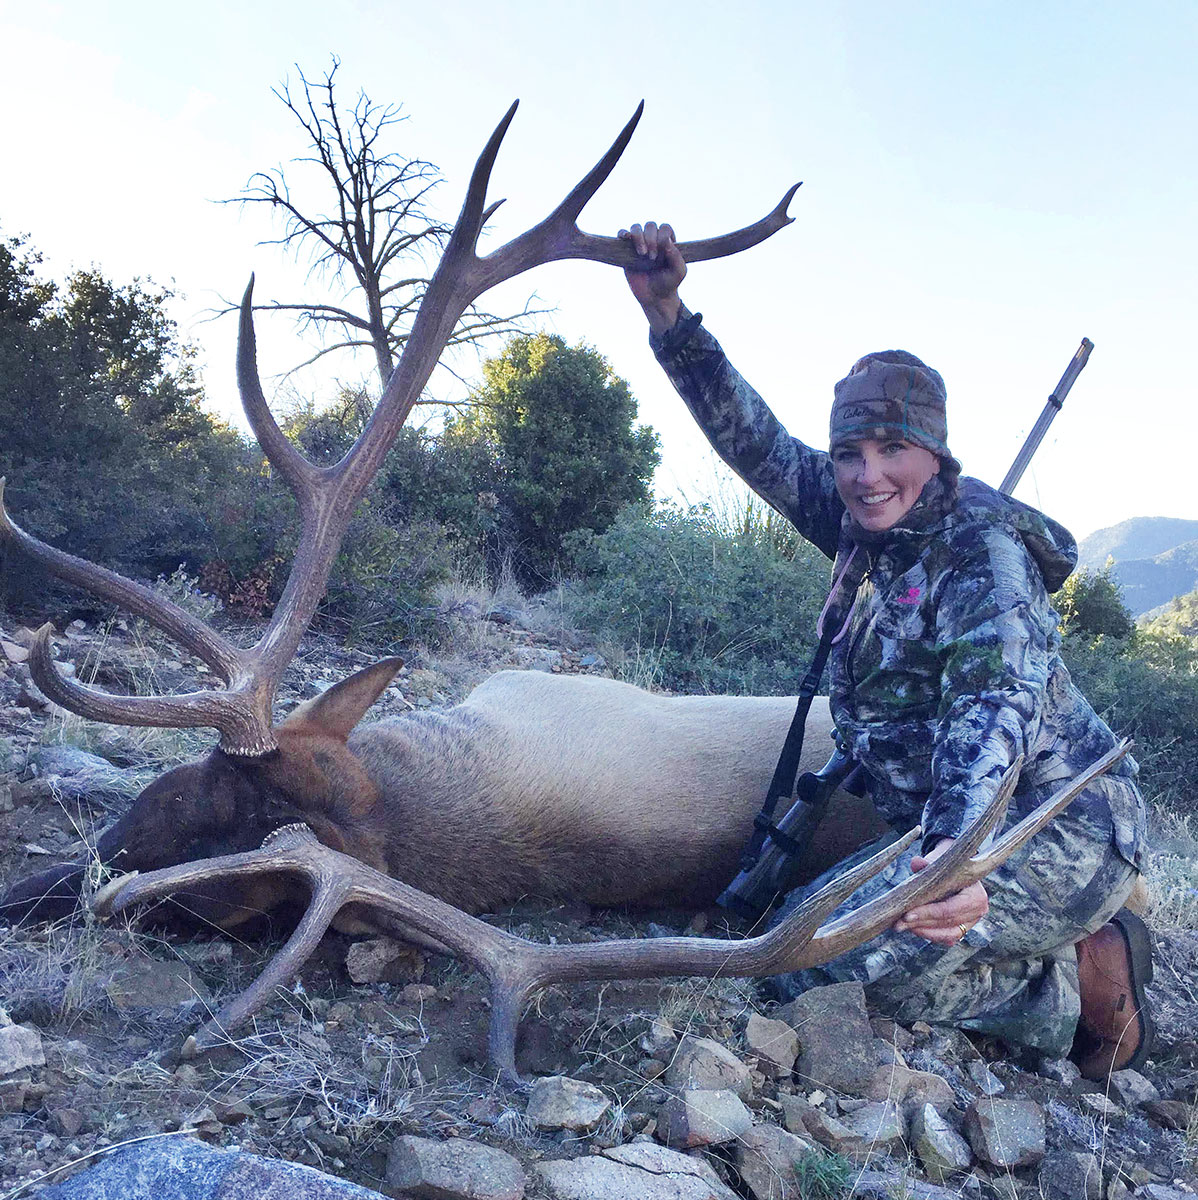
(801, 926)
(470, 220)
(558, 236)
(193, 635)
(278, 448)
(1018, 835)
(570, 208)
(742, 239)
(226, 711)
(950, 872)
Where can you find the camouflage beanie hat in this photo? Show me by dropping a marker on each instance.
(892, 394)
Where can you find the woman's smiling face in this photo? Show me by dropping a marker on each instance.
(879, 479)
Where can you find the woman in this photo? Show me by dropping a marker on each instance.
(944, 667)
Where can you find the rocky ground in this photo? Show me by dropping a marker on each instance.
(372, 1067)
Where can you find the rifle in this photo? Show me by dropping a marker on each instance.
(770, 861)
(1053, 406)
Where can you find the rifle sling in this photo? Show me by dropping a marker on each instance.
(783, 781)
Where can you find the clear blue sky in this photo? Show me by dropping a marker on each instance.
(985, 183)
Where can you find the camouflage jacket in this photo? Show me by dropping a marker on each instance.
(949, 666)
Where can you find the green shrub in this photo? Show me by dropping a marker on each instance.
(714, 610)
(558, 426)
(1091, 603)
(381, 588)
(1146, 687)
(1180, 616)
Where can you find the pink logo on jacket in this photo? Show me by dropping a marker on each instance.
(912, 597)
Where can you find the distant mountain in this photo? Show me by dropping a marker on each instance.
(1155, 559)
(1141, 537)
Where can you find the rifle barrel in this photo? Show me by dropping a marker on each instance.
(1051, 408)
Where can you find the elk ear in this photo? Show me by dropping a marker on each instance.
(336, 711)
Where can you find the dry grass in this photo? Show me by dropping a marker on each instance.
(1171, 871)
(148, 749)
(293, 1064)
(59, 973)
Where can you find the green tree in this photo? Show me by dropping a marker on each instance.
(106, 449)
(1180, 617)
(562, 428)
(1090, 602)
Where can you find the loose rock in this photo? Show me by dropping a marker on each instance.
(1172, 1114)
(838, 1048)
(774, 1043)
(635, 1172)
(66, 1122)
(660, 1041)
(147, 983)
(376, 959)
(456, 1169)
(988, 1083)
(941, 1149)
(185, 1169)
(1061, 1070)
(20, 1048)
(1067, 1175)
(702, 1118)
(1099, 1105)
(1131, 1089)
(703, 1064)
(558, 1102)
(767, 1158)
(1006, 1133)
(871, 1131)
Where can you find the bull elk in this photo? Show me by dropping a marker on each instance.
(535, 785)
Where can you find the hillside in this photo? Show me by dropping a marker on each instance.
(1137, 538)
(1155, 559)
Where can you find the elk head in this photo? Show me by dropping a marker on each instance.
(261, 777)
(225, 803)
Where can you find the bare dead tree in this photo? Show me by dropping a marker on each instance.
(373, 235)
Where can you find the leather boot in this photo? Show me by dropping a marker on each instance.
(1113, 967)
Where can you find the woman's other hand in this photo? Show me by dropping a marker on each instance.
(946, 921)
(655, 285)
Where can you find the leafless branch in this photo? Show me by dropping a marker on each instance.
(374, 217)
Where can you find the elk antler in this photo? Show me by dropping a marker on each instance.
(516, 967)
(327, 496)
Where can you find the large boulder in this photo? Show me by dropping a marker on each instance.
(186, 1169)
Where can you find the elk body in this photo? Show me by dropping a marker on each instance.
(548, 786)
(534, 785)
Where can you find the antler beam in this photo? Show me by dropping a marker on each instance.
(516, 967)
